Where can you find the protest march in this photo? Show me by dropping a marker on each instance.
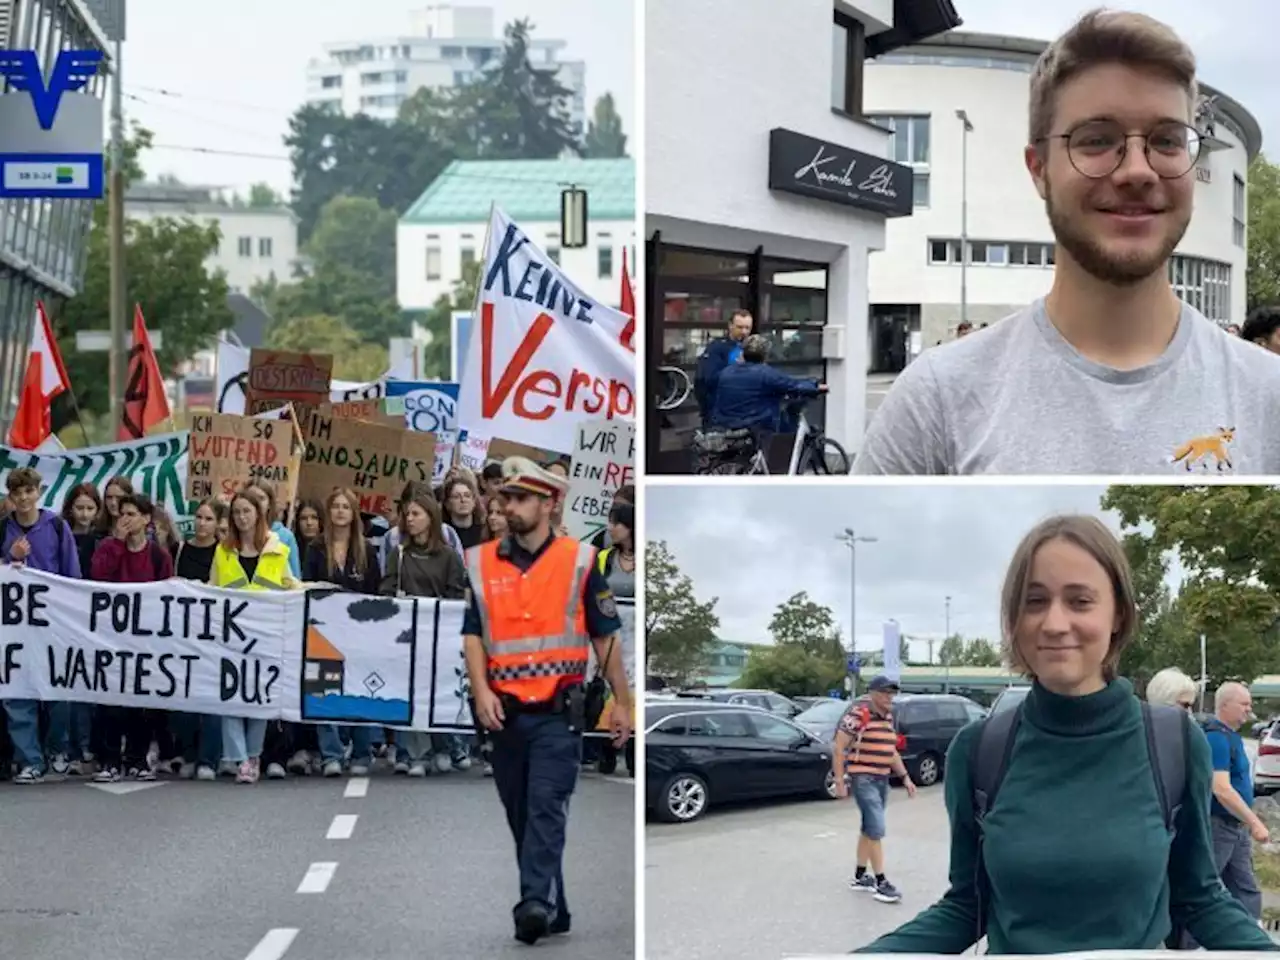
(283, 587)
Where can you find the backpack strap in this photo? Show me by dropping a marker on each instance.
(1166, 729)
(988, 763)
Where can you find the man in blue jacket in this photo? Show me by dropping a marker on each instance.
(41, 540)
(749, 395)
(719, 356)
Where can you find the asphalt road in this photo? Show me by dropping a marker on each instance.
(766, 882)
(213, 871)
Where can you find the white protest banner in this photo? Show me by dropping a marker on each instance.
(604, 458)
(320, 656)
(233, 378)
(474, 451)
(156, 465)
(543, 355)
(446, 446)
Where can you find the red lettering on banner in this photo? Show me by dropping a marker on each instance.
(615, 397)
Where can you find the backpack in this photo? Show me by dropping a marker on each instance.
(1167, 730)
(59, 523)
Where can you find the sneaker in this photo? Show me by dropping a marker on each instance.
(561, 924)
(186, 772)
(360, 769)
(153, 756)
(417, 770)
(863, 884)
(75, 768)
(462, 763)
(29, 775)
(488, 769)
(275, 772)
(443, 763)
(227, 768)
(246, 773)
(300, 763)
(132, 773)
(206, 773)
(145, 775)
(333, 768)
(402, 766)
(107, 775)
(886, 892)
(60, 764)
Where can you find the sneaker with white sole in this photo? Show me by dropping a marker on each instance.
(145, 775)
(360, 769)
(443, 763)
(107, 775)
(300, 763)
(401, 767)
(227, 768)
(332, 768)
(29, 775)
(488, 769)
(462, 763)
(886, 892)
(60, 764)
(863, 884)
(417, 769)
(275, 772)
(206, 773)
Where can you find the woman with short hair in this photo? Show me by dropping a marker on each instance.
(1173, 688)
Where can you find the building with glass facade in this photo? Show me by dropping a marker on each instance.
(43, 243)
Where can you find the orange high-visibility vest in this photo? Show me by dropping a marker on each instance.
(534, 627)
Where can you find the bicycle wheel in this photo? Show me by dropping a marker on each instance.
(824, 457)
(725, 468)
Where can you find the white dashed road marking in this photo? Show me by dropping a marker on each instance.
(318, 877)
(628, 781)
(344, 824)
(274, 945)
(356, 787)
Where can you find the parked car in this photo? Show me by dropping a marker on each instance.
(766, 700)
(1008, 698)
(821, 718)
(699, 753)
(1266, 769)
(1261, 727)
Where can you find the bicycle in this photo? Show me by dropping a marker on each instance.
(678, 385)
(742, 452)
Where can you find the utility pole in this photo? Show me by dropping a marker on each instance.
(115, 211)
(851, 540)
(964, 215)
(946, 675)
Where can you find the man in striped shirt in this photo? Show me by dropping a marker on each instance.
(866, 753)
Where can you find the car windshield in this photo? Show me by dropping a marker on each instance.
(1009, 698)
(824, 712)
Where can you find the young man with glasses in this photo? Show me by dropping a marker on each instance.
(1111, 372)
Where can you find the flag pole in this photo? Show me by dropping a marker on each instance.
(75, 408)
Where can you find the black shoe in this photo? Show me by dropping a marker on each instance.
(560, 924)
(533, 922)
(886, 892)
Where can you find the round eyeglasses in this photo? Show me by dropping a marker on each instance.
(1097, 148)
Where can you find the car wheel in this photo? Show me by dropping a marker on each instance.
(829, 786)
(608, 761)
(926, 770)
(683, 799)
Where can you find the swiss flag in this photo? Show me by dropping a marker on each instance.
(45, 378)
(145, 403)
(627, 304)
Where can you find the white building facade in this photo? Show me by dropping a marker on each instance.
(771, 195)
(257, 243)
(915, 282)
(446, 46)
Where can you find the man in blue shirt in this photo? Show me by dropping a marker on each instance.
(720, 355)
(749, 395)
(1234, 824)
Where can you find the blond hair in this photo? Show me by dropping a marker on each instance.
(1103, 37)
(1172, 687)
(1092, 536)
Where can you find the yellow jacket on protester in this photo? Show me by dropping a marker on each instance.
(272, 572)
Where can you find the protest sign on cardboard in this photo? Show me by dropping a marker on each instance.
(372, 460)
(368, 411)
(603, 460)
(277, 378)
(228, 451)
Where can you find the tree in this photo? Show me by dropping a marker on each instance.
(605, 138)
(165, 274)
(1262, 277)
(791, 671)
(810, 626)
(679, 630)
(958, 652)
(263, 197)
(983, 653)
(357, 233)
(352, 358)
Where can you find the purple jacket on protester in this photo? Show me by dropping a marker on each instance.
(53, 547)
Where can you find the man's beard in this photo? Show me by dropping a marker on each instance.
(519, 526)
(1094, 259)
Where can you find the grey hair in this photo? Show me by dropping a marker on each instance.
(1172, 687)
(1223, 695)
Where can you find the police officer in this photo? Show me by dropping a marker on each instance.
(538, 604)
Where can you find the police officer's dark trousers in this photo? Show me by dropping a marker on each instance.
(535, 768)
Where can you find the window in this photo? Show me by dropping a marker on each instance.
(848, 51)
(953, 711)
(773, 730)
(920, 190)
(1237, 211)
(402, 76)
(264, 247)
(328, 83)
(720, 723)
(604, 260)
(938, 250)
(974, 712)
(245, 246)
(675, 726)
(433, 263)
(1018, 253)
(917, 713)
(553, 254)
(1203, 284)
(997, 253)
(451, 53)
(992, 253)
(468, 256)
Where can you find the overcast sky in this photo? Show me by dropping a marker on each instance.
(241, 74)
(1233, 41)
(754, 547)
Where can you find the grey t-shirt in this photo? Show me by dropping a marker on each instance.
(1019, 399)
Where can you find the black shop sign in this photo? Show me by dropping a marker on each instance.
(828, 171)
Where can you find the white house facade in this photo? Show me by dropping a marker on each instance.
(915, 282)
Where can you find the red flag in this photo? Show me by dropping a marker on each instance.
(46, 377)
(145, 403)
(627, 304)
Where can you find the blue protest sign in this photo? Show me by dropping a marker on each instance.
(429, 407)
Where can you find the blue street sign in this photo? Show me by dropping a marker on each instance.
(853, 664)
(50, 131)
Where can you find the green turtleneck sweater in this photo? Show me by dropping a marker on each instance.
(1076, 849)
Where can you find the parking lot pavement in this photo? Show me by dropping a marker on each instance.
(765, 882)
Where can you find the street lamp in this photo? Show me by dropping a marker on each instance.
(851, 540)
(946, 666)
(964, 214)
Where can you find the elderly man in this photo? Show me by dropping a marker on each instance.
(1235, 825)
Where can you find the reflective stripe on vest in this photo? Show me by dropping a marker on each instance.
(531, 665)
(228, 563)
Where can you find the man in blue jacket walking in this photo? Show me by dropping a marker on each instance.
(41, 540)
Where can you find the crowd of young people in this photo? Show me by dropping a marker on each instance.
(241, 543)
